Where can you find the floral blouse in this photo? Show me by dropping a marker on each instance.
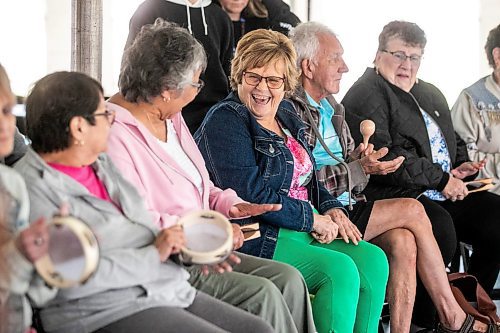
(439, 150)
(302, 169)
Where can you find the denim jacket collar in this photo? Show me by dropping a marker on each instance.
(286, 114)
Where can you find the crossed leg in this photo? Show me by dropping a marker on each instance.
(409, 214)
(401, 250)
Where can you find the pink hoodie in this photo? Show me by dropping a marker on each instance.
(168, 190)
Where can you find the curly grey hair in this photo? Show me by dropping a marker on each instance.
(162, 57)
(305, 39)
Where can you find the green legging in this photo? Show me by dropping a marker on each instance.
(348, 281)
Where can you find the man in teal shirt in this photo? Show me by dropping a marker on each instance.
(399, 226)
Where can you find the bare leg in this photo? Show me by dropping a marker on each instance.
(401, 250)
(410, 214)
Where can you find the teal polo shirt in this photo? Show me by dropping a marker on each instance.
(331, 138)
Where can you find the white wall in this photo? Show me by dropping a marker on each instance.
(36, 39)
(454, 56)
(36, 36)
(116, 17)
(489, 17)
(22, 50)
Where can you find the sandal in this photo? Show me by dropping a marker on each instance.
(467, 327)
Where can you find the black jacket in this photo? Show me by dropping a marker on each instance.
(401, 127)
(280, 18)
(217, 42)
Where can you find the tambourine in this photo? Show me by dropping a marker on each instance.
(73, 253)
(209, 238)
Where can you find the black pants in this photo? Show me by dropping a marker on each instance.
(474, 220)
(477, 222)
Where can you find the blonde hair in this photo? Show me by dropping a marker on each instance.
(256, 8)
(261, 47)
(5, 90)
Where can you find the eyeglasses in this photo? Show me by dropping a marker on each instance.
(273, 82)
(198, 85)
(401, 57)
(110, 116)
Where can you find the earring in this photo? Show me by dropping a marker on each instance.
(166, 99)
(79, 142)
(376, 70)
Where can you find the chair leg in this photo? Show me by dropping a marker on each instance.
(384, 318)
(465, 253)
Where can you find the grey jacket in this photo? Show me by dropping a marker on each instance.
(130, 276)
(20, 280)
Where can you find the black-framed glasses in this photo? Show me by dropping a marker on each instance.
(273, 82)
(401, 57)
(110, 116)
(198, 85)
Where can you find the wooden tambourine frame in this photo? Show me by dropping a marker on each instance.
(219, 254)
(90, 249)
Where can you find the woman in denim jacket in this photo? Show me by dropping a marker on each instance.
(253, 142)
(136, 287)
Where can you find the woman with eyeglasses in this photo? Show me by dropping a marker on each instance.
(154, 149)
(413, 120)
(21, 244)
(254, 143)
(136, 287)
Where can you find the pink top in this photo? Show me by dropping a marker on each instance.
(85, 176)
(302, 169)
(170, 192)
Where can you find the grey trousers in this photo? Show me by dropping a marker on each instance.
(269, 289)
(205, 315)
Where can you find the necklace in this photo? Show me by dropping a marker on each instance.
(156, 134)
(279, 130)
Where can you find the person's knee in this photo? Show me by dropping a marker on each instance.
(400, 245)
(378, 264)
(342, 273)
(290, 279)
(257, 324)
(414, 215)
(268, 291)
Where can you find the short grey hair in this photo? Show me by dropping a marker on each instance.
(162, 57)
(410, 33)
(305, 39)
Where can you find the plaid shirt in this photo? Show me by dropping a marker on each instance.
(333, 177)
